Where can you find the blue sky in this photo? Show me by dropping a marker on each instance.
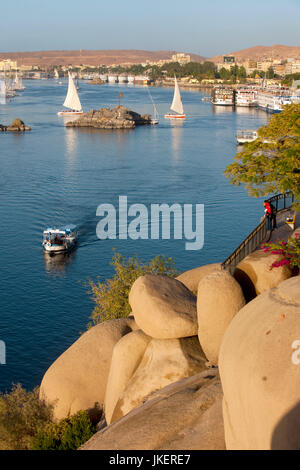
(204, 27)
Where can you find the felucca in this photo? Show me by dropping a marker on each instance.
(176, 105)
(155, 119)
(72, 101)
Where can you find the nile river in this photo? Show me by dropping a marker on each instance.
(54, 175)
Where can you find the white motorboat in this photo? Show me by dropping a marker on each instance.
(176, 105)
(246, 136)
(72, 101)
(58, 240)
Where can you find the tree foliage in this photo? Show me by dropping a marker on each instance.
(22, 414)
(288, 79)
(111, 297)
(271, 163)
(68, 434)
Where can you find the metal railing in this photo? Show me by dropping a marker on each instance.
(259, 234)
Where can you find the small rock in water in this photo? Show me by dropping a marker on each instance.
(16, 126)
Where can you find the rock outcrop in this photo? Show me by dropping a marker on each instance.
(192, 277)
(163, 307)
(260, 371)
(184, 415)
(77, 379)
(255, 275)
(220, 297)
(165, 361)
(126, 357)
(16, 126)
(116, 118)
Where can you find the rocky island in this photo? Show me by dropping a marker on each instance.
(116, 118)
(16, 126)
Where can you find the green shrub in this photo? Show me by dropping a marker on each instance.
(22, 414)
(111, 297)
(68, 434)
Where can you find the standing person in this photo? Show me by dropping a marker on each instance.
(268, 212)
(273, 216)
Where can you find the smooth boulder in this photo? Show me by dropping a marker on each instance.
(163, 307)
(77, 379)
(192, 277)
(260, 371)
(219, 298)
(184, 415)
(126, 357)
(165, 361)
(255, 275)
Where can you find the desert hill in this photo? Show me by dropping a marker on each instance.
(276, 51)
(90, 57)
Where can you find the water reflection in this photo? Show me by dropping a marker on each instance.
(56, 265)
(71, 142)
(106, 135)
(176, 134)
(222, 109)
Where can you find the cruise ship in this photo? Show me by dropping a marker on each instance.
(272, 103)
(222, 96)
(246, 97)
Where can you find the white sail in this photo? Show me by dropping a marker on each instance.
(177, 103)
(56, 75)
(2, 88)
(72, 100)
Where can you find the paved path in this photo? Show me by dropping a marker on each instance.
(284, 231)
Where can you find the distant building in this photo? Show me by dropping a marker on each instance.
(279, 69)
(227, 66)
(181, 58)
(25, 68)
(7, 64)
(249, 66)
(264, 65)
(296, 66)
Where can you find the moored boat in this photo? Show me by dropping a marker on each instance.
(245, 97)
(246, 136)
(58, 240)
(270, 102)
(223, 96)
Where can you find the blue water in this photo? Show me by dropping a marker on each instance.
(54, 175)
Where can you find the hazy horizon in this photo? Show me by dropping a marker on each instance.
(205, 29)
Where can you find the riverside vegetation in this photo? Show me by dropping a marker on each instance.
(111, 296)
(26, 423)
